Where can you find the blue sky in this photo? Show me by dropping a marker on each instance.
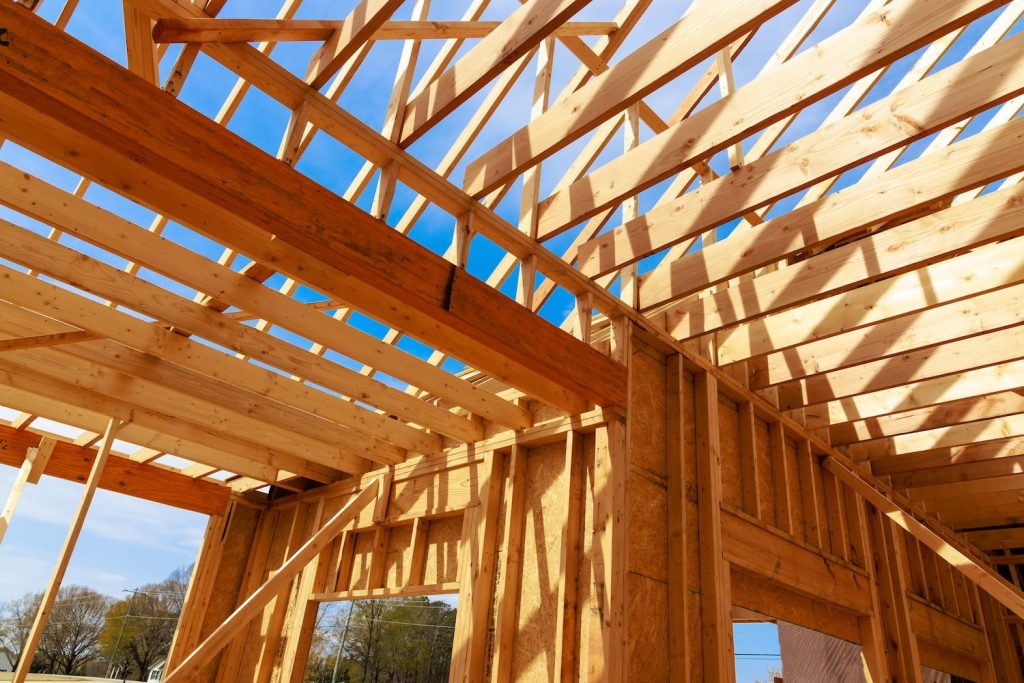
(127, 542)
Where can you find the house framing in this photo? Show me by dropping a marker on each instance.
(757, 353)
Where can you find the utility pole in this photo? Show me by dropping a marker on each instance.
(124, 620)
(341, 647)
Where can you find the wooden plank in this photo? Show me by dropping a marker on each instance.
(971, 85)
(951, 357)
(447, 588)
(869, 43)
(65, 264)
(476, 573)
(567, 618)
(507, 605)
(120, 474)
(359, 26)
(45, 608)
(887, 252)
(245, 612)
(40, 458)
(985, 577)
(655, 63)
(763, 551)
(179, 30)
(940, 283)
(967, 385)
(974, 162)
(380, 272)
(941, 324)
(523, 30)
(716, 621)
(38, 341)
(73, 215)
(678, 625)
(142, 51)
(942, 437)
(73, 309)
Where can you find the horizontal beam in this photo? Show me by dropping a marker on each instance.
(38, 341)
(178, 30)
(122, 475)
(236, 193)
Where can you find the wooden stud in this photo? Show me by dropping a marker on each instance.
(35, 633)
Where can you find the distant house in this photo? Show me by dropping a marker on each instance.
(156, 672)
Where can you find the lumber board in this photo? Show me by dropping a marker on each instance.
(122, 475)
(983, 158)
(240, 195)
(961, 90)
(520, 32)
(657, 62)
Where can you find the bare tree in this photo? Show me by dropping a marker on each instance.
(72, 636)
(15, 622)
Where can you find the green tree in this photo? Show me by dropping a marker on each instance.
(403, 640)
(140, 627)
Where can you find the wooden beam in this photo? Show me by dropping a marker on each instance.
(942, 324)
(872, 42)
(965, 385)
(180, 30)
(974, 162)
(1001, 346)
(716, 622)
(38, 341)
(634, 76)
(35, 633)
(358, 28)
(969, 274)
(874, 256)
(963, 89)
(522, 31)
(960, 559)
(73, 215)
(357, 258)
(931, 417)
(35, 459)
(252, 605)
(121, 474)
(969, 433)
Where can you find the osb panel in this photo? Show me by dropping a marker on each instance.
(396, 564)
(545, 509)
(764, 469)
(442, 563)
(647, 531)
(795, 499)
(647, 414)
(448, 490)
(729, 445)
(647, 619)
(361, 560)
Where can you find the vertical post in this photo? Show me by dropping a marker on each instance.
(29, 472)
(476, 574)
(716, 598)
(50, 594)
(678, 637)
(568, 577)
(872, 638)
(904, 659)
(628, 289)
(507, 610)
